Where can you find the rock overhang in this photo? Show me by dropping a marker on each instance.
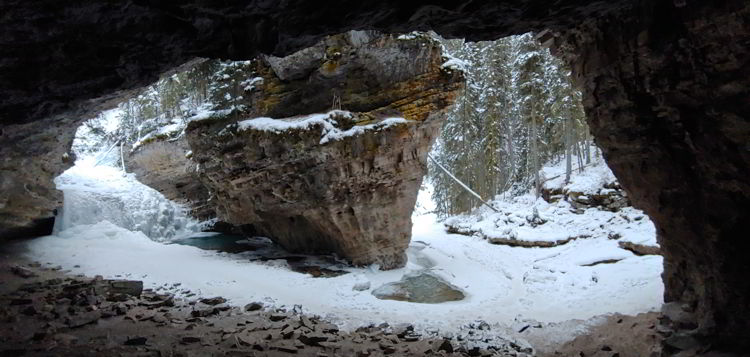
(344, 180)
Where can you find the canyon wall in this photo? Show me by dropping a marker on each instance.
(667, 96)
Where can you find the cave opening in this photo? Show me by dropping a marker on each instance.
(666, 104)
(114, 225)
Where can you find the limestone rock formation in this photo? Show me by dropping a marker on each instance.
(353, 195)
(667, 95)
(343, 182)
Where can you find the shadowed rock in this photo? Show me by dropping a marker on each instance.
(667, 95)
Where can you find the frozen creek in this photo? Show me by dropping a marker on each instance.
(116, 227)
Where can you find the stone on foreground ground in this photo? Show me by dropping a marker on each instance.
(57, 314)
(45, 311)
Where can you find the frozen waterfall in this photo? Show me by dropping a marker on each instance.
(95, 193)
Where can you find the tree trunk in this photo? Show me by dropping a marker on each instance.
(580, 157)
(587, 147)
(568, 149)
(469, 190)
(535, 154)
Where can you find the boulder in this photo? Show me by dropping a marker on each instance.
(611, 197)
(345, 181)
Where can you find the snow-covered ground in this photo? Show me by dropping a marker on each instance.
(517, 217)
(502, 284)
(592, 180)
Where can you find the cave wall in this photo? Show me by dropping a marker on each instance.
(28, 163)
(58, 54)
(667, 96)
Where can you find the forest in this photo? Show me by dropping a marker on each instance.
(519, 111)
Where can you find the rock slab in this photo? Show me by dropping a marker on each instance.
(343, 182)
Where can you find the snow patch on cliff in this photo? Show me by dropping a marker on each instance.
(326, 121)
(453, 63)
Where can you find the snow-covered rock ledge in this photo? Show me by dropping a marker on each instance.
(334, 125)
(528, 221)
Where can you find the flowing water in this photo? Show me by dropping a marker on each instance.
(220, 242)
(263, 250)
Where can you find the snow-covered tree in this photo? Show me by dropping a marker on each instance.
(518, 111)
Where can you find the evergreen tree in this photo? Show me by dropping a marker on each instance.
(519, 110)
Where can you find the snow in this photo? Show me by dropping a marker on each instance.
(111, 119)
(280, 125)
(593, 178)
(204, 113)
(87, 140)
(113, 226)
(249, 84)
(408, 36)
(454, 63)
(515, 214)
(161, 128)
(502, 284)
(337, 134)
(326, 121)
(175, 127)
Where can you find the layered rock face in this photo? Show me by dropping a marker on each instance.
(667, 94)
(56, 55)
(339, 182)
(352, 196)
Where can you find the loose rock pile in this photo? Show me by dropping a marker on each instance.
(65, 315)
(610, 198)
